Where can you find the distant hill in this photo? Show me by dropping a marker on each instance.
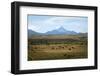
(31, 33)
(59, 31)
(83, 34)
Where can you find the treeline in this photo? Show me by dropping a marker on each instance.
(55, 41)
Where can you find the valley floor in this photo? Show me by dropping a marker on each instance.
(57, 51)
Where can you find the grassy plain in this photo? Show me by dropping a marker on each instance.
(51, 47)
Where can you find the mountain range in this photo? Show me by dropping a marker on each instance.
(59, 31)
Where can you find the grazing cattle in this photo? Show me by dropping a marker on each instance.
(69, 48)
(35, 47)
(73, 47)
(60, 47)
(65, 54)
(63, 47)
(52, 48)
(81, 43)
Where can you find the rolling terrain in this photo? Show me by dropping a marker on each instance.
(50, 47)
(57, 44)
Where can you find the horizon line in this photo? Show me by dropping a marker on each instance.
(54, 29)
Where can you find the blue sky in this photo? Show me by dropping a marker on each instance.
(42, 24)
